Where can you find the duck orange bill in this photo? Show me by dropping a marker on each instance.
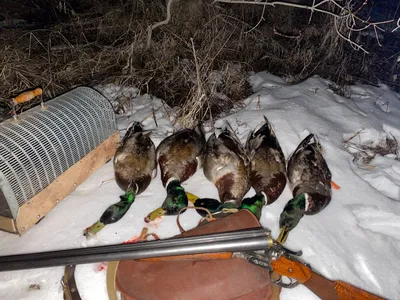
(335, 185)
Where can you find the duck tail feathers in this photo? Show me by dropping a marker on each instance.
(253, 142)
(266, 129)
(199, 130)
(228, 130)
(310, 140)
(313, 140)
(249, 139)
(135, 127)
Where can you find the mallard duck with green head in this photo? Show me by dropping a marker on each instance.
(267, 168)
(179, 156)
(226, 166)
(135, 166)
(310, 181)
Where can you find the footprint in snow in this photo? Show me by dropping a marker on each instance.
(383, 105)
(383, 174)
(366, 272)
(372, 218)
(375, 159)
(358, 92)
(270, 85)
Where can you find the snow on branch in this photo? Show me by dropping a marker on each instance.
(346, 16)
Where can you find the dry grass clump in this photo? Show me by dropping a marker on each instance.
(363, 154)
(199, 61)
(212, 91)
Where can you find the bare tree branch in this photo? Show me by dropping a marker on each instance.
(397, 25)
(259, 22)
(346, 16)
(154, 26)
(275, 3)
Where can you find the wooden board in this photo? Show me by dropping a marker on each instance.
(7, 224)
(38, 206)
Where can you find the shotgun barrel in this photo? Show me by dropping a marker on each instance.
(197, 247)
(235, 241)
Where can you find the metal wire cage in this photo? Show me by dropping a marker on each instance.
(43, 143)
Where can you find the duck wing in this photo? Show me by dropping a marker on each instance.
(135, 160)
(307, 169)
(178, 155)
(225, 166)
(267, 162)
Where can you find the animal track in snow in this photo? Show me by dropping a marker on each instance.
(365, 271)
(383, 105)
(375, 160)
(383, 175)
(372, 218)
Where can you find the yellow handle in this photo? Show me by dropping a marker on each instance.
(27, 96)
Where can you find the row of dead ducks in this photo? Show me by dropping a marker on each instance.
(230, 166)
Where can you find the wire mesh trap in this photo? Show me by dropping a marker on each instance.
(75, 132)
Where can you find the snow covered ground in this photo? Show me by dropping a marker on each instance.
(355, 239)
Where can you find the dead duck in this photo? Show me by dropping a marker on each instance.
(135, 166)
(179, 156)
(226, 166)
(310, 181)
(267, 167)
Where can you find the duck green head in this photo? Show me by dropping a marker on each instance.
(112, 214)
(254, 204)
(116, 211)
(176, 200)
(292, 213)
(212, 205)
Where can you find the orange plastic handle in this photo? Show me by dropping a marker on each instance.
(202, 256)
(27, 96)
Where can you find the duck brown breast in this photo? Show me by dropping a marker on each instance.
(176, 168)
(142, 182)
(272, 186)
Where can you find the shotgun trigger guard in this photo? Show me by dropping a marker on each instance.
(290, 285)
(274, 253)
(263, 259)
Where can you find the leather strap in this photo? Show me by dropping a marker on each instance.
(69, 285)
(276, 290)
(112, 268)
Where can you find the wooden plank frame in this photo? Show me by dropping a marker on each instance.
(38, 206)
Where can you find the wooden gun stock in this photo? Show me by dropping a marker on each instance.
(322, 287)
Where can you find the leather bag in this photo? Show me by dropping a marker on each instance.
(197, 280)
